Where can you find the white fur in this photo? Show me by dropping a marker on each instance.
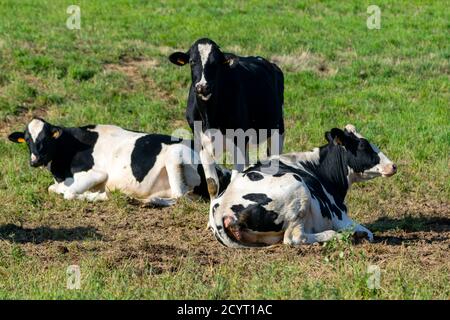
(205, 51)
(34, 128)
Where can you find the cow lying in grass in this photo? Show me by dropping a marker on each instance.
(87, 162)
(298, 198)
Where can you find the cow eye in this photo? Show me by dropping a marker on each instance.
(363, 145)
(191, 62)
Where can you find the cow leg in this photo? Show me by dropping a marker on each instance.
(209, 166)
(83, 181)
(323, 236)
(277, 147)
(60, 187)
(92, 196)
(175, 172)
(159, 202)
(346, 224)
(295, 235)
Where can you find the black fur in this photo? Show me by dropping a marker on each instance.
(257, 218)
(249, 95)
(145, 151)
(254, 176)
(259, 198)
(73, 152)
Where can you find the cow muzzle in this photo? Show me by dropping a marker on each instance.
(36, 161)
(388, 170)
(203, 91)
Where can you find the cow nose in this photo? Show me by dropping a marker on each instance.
(389, 170)
(35, 160)
(394, 168)
(202, 89)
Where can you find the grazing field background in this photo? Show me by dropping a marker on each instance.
(392, 83)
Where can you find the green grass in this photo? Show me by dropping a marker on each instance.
(392, 83)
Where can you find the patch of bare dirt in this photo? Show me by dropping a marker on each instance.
(135, 70)
(19, 120)
(160, 240)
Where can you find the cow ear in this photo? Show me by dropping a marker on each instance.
(231, 60)
(17, 137)
(335, 136)
(179, 58)
(56, 132)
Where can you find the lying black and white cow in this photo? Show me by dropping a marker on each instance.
(231, 92)
(87, 162)
(298, 198)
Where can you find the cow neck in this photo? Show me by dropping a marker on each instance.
(203, 107)
(212, 112)
(331, 170)
(71, 142)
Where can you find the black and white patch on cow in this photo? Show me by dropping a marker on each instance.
(229, 92)
(303, 200)
(88, 162)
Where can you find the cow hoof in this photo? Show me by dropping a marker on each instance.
(97, 197)
(363, 235)
(212, 187)
(69, 195)
(190, 195)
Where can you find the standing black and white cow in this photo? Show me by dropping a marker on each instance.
(87, 162)
(231, 92)
(298, 198)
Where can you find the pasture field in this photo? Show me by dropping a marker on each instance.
(392, 83)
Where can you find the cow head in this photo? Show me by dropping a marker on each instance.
(41, 137)
(207, 63)
(365, 160)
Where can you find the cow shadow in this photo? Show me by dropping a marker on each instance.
(17, 234)
(411, 229)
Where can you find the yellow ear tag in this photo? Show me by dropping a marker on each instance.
(21, 140)
(181, 61)
(55, 134)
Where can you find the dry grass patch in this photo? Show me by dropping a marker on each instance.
(136, 71)
(305, 61)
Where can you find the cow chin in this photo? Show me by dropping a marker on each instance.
(44, 162)
(384, 171)
(365, 175)
(387, 175)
